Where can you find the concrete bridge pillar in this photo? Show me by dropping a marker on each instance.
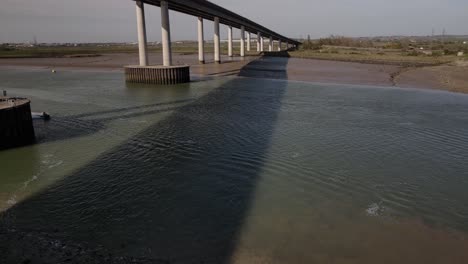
(229, 41)
(242, 42)
(270, 44)
(259, 36)
(279, 45)
(201, 41)
(248, 41)
(217, 50)
(140, 14)
(165, 74)
(262, 44)
(166, 34)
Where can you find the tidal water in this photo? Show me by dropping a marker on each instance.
(241, 170)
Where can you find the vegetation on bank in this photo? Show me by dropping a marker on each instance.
(57, 51)
(369, 57)
(399, 51)
(402, 51)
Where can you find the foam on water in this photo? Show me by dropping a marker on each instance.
(375, 209)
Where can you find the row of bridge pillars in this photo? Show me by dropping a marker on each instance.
(166, 41)
(245, 38)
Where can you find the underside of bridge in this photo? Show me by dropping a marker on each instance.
(172, 74)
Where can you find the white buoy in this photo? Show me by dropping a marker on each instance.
(53, 71)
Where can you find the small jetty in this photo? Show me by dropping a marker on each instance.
(16, 126)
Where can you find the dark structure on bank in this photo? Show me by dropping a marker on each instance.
(16, 127)
(158, 74)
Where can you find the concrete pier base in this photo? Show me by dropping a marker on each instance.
(157, 74)
(16, 127)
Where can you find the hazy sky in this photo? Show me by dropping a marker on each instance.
(115, 20)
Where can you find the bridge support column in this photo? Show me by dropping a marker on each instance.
(259, 36)
(270, 44)
(201, 41)
(166, 34)
(262, 44)
(217, 50)
(287, 45)
(248, 41)
(279, 45)
(165, 74)
(140, 14)
(229, 41)
(242, 42)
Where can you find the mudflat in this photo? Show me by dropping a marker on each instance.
(450, 77)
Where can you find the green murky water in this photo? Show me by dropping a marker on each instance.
(244, 170)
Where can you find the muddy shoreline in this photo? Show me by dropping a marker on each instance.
(450, 77)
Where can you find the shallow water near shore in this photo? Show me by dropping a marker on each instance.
(241, 170)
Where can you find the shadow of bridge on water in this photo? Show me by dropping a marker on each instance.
(184, 195)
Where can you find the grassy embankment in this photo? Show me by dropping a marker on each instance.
(389, 58)
(404, 52)
(100, 49)
(85, 50)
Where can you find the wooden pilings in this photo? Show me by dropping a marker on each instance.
(157, 74)
(16, 127)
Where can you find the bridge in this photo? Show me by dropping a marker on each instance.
(203, 10)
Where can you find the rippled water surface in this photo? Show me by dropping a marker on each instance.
(241, 170)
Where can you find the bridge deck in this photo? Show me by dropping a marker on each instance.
(208, 10)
